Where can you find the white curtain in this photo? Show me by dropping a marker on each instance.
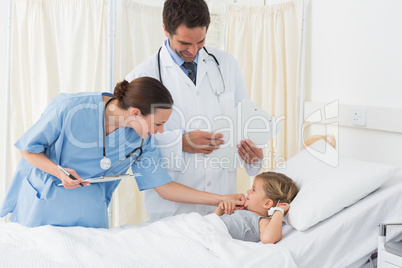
(57, 46)
(139, 35)
(266, 42)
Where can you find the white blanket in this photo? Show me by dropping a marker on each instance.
(188, 240)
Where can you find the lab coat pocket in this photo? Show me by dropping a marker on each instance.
(227, 102)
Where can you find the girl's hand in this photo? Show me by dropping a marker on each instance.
(225, 207)
(284, 206)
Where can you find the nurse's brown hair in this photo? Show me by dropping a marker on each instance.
(144, 93)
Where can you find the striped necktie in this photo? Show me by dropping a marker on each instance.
(190, 66)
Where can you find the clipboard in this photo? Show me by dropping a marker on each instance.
(112, 178)
(247, 121)
(109, 178)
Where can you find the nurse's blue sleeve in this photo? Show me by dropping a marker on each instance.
(43, 133)
(149, 165)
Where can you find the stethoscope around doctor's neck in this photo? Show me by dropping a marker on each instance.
(214, 89)
(105, 162)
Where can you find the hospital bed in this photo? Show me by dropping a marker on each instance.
(346, 239)
(349, 238)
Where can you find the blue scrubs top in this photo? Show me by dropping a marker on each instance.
(70, 133)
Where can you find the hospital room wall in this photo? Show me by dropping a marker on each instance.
(354, 56)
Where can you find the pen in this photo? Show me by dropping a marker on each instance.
(68, 174)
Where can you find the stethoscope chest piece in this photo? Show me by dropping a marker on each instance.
(105, 163)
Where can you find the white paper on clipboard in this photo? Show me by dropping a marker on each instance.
(112, 178)
(247, 121)
(109, 178)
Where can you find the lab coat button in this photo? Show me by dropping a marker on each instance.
(209, 183)
(197, 93)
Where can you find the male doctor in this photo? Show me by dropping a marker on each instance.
(204, 83)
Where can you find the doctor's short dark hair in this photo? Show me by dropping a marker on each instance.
(191, 13)
(144, 93)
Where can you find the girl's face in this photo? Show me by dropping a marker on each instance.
(151, 124)
(256, 198)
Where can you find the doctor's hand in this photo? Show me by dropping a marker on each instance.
(198, 141)
(69, 183)
(249, 152)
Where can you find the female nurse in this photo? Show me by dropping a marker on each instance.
(90, 135)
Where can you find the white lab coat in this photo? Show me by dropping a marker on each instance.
(194, 108)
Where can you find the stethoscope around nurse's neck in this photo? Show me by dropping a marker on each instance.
(105, 162)
(214, 88)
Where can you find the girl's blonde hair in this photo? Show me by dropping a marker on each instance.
(278, 187)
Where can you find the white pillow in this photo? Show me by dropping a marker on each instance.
(328, 183)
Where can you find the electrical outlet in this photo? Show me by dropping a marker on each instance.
(358, 116)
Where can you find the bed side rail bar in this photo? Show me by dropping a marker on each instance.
(383, 228)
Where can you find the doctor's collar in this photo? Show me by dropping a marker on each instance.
(179, 61)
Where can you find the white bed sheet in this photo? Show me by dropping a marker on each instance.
(351, 234)
(188, 240)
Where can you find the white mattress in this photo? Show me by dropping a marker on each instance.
(351, 234)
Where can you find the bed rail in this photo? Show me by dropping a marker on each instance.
(389, 253)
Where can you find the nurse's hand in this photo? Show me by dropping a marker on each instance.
(237, 199)
(69, 183)
(249, 152)
(199, 141)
